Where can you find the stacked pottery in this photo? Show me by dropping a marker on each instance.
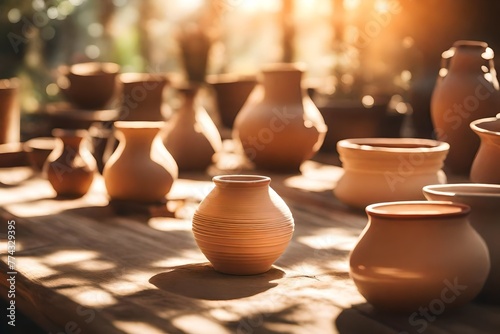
(486, 165)
(242, 226)
(484, 200)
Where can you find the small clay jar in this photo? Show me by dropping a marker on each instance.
(486, 165)
(141, 169)
(70, 168)
(419, 254)
(190, 135)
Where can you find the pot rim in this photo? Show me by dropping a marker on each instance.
(98, 69)
(463, 190)
(475, 125)
(390, 145)
(9, 84)
(40, 144)
(141, 77)
(283, 67)
(454, 209)
(241, 179)
(139, 124)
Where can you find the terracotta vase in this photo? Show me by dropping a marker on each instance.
(10, 114)
(142, 96)
(279, 126)
(141, 169)
(242, 226)
(419, 254)
(70, 168)
(486, 165)
(466, 90)
(191, 136)
(484, 200)
(388, 169)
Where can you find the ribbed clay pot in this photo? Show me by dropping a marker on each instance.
(141, 169)
(279, 127)
(486, 165)
(70, 168)
(419, 254)
(484, 200)
(388, 169)
(242, 226)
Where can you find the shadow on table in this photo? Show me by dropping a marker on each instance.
(201, 281)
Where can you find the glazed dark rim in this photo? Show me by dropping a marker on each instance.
(460, 210)
(390, 145)
(476, 125)
(448, 190)
(241, 179)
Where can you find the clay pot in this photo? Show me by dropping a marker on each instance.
(279, 126)
(10, 114)
(484, 200)
(242, 226)
(231, 92)
(142, 96)
(38, 150)
(191, 136)
(466, 90)
(486, 166)
(388, 169)
(89, 85)
(419, 254)
(141, 169)
(70, 168)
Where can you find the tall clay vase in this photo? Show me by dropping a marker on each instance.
(419, 254)
(486, 165)
(242, 226)
(279, 127)
(141, 169)
(10, 115)
(466, 90)
(71, 167)
(191, 136)
(142, 96)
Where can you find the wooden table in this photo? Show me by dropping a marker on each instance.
(83, 268)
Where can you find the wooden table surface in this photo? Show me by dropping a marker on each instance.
(84, 267)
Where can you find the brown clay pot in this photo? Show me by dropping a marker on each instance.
(419, 254)
(89, 85)
(466, 90)
(484, 200)
(10, 115)
(191, 136)
(279, 127)
(486, 165)
(242, 226)
(141, 169)
(142, 96)
(38, 150)
(70, 168)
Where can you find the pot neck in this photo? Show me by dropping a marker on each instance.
(471, 58)
(188, 105)
(139, 137)
(283, 86)
(71, 142)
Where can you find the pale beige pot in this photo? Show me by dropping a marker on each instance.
(10, 113)
(141, 169)
(419, 254)
(190, 135)
(466, 90)
(484, 200)
(279, 126)
(388, 169)
(70, 168)
(242, 226)
(486, 165)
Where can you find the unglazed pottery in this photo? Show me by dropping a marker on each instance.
(466, 90)
(279, 127)
(486, 165)
(142, 96)
(141, 169)
(70, 168)
(419, 254)
(190, 135)
(388, 169)
(38, 150)
(242, 226)
(484, 200)
(10, 114)
(89, 85)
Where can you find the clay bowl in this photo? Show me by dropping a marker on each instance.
(89, 85)
(38, 150)
(484, 200)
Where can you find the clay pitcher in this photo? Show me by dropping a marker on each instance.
(486, 165)
(10, 115)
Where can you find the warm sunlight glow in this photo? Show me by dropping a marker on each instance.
(136, 327)
(69, 257)
(187, 322)
(92, 297)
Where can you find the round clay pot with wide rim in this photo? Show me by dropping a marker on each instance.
(486, 165)
(38, 150)
(279, 127)
(419, 254)
(141, 169)
(388, 169)
(467, 89)
(70, 168)
(242, 226)
(484, 200)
